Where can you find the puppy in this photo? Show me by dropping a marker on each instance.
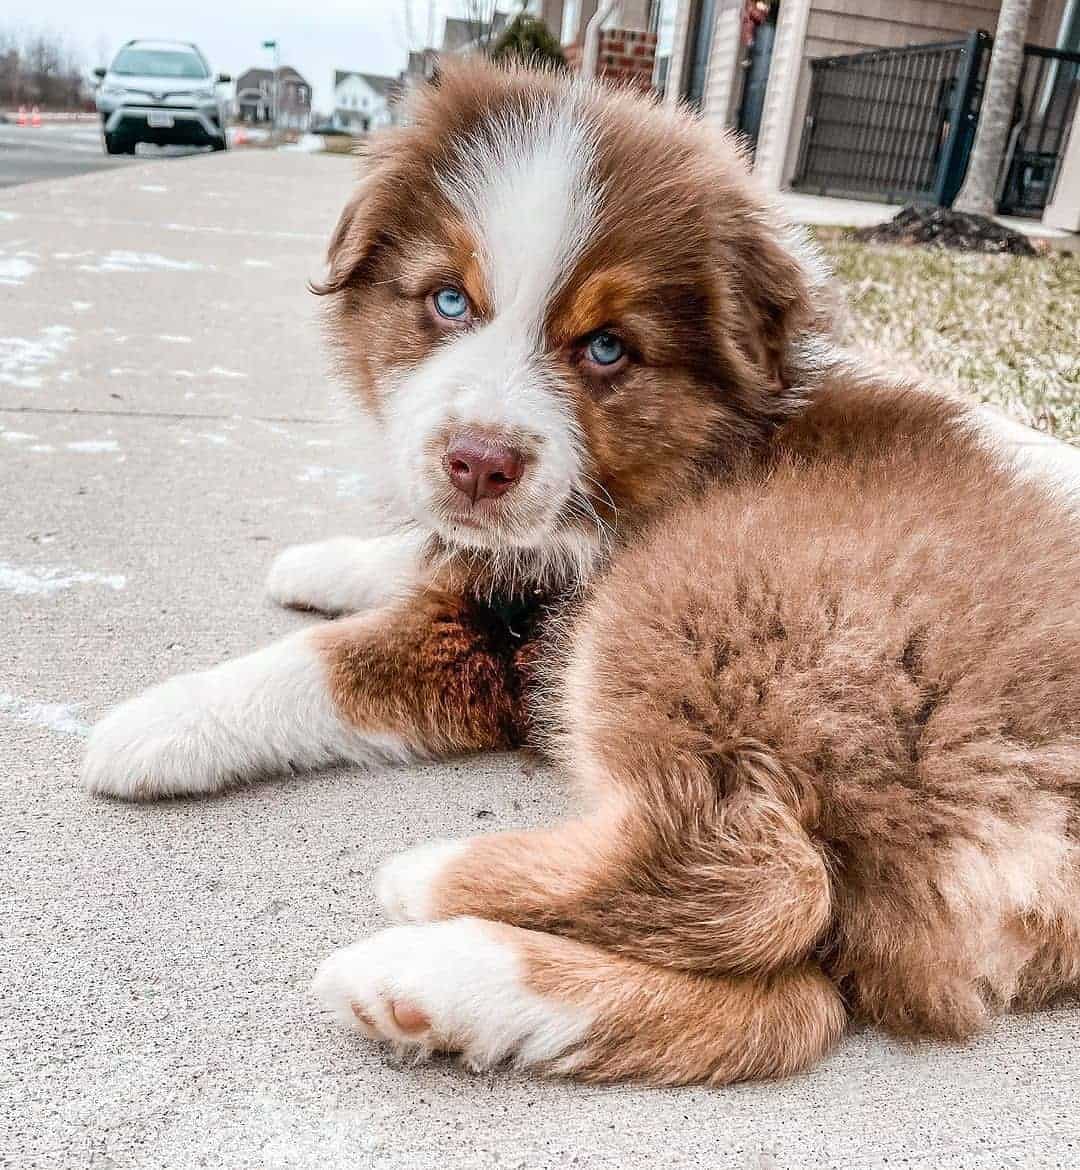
(806, 641)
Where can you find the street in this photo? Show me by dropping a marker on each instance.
(58, 149)
(167, 424)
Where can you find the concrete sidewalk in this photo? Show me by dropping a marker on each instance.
(165, 427)
(829, 211)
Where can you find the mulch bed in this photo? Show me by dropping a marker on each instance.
(941, 227)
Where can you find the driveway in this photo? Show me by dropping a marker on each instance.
(166, 424)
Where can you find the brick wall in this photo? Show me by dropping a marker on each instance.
(626, 56)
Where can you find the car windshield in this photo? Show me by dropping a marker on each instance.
(159, 63)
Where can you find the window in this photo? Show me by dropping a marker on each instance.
(662, 21)
(133, 62)
(701, 30)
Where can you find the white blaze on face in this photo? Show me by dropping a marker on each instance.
(528, 190)
(526, 187)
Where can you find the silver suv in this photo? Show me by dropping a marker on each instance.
(162, 92)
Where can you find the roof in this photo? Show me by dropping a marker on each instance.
(460, 34)
(383, 86)
(285, 73)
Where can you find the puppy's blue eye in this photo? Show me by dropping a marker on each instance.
(451, 303)
(605, 349)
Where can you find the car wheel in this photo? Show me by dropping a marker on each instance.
(221, 143)
(115, 144)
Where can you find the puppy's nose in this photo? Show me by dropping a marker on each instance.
(482, 468)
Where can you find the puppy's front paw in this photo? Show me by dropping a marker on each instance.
(406, 885)
(314, 576)
(454, 986)
(161, 743)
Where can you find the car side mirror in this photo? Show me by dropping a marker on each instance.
(100, 72)
(224, 78)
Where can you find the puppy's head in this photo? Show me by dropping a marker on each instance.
(559, 304)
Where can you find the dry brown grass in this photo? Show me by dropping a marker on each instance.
(1003, 329)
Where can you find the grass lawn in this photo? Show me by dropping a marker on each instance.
(1004, 329)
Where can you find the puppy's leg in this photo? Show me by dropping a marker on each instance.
(693, 878)
(346, 574)
(493, 992)
(425, 676)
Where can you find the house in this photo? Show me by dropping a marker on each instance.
(362, 101)
(467, 36)
(255, 97)
(894, 122)
(626, 49)
(460, 36)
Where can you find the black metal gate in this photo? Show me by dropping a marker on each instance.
(1046, 99)
(893, 124)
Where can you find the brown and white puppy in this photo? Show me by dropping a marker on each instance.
(817, 667)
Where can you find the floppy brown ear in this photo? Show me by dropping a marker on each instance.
(365, 221)
(780, 286)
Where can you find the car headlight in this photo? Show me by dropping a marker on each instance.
(113, 91)
(204, 95)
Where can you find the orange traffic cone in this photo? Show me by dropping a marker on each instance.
(35, 117)
(21, 120)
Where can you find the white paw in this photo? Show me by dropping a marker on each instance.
(260, 715)
(309, 576)
(158, 744)
(453, 986)
(405, 883)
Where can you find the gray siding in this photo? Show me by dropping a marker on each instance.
(848, 26)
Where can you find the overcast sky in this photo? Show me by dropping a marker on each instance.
(316, 37)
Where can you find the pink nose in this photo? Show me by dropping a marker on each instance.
(482, 468)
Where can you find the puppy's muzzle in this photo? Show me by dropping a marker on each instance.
(483, 468)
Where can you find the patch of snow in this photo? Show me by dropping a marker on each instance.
(217, 440)
(93, 446)
(14, 270)
(221, 372)
(174, 338)
(347, 483)
(60, 717)
(156, 188)
(16, 436)
(33, 581)
(122, 261)
(218, 230)
(42, 448)
(21, 358)
(257, 264)
(82, 306)
(307, 144)
(8, 216)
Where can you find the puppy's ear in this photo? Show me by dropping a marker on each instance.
(366, 221)
(781, 286)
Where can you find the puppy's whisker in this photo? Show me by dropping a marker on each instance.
(603, 490)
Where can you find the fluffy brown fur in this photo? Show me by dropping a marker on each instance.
(807, 643)
(824, 698)
(705, 293)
